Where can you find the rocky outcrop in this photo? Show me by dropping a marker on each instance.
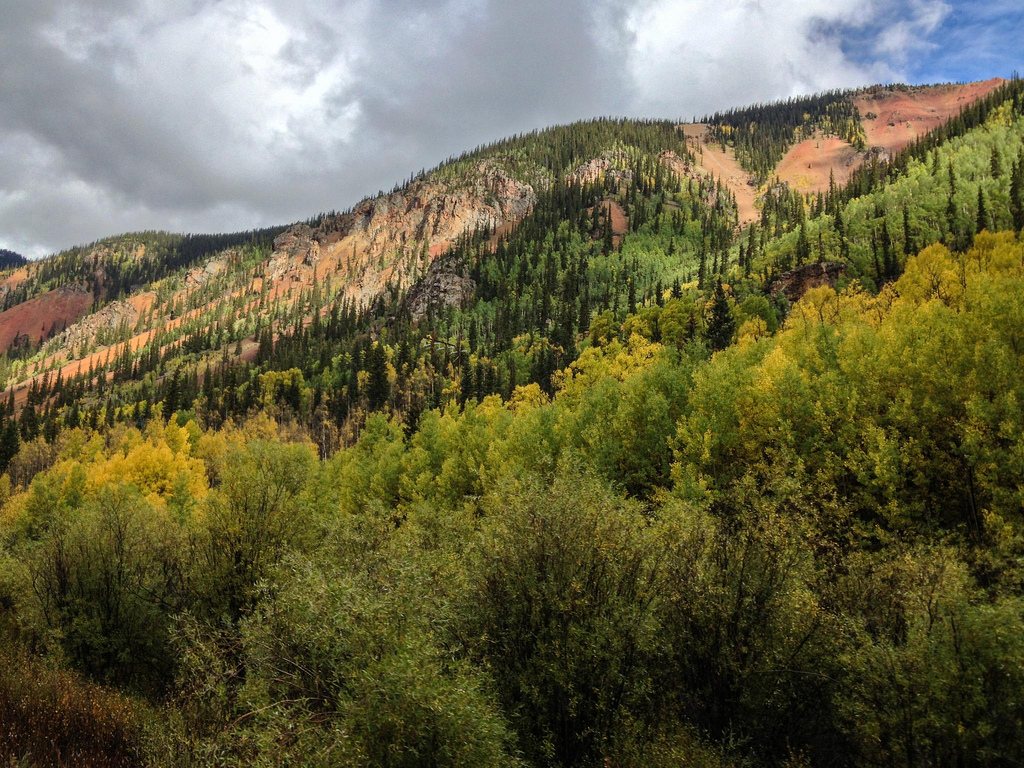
(607, 166)
(442, 286)
(378, 240)
(438, 211)
(797, 282)
(99, 327)
(201, 275)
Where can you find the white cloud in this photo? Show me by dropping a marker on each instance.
(697, 57)
(227, 114)
(901, 39)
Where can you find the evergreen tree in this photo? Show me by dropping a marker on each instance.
(722, 324)
(803, 247)
(1017, 194)
(908, 239)
(378, 388)
(10, 442)
(889, 263)
(609, 239)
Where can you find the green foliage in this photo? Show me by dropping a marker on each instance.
(557, 610)
(576, 519)
(761, 134)
(107, 581)
(341, 666)
(901, 404)
(933, 671)
(259, 513)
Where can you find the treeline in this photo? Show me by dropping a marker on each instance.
(761, 134)
(11, 260)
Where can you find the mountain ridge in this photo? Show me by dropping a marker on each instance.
(388, 242)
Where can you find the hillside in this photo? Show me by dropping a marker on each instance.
(620, 443)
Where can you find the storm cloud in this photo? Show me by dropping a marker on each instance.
(216, 115)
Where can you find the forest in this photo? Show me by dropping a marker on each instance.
(622, 505)
(10, 259)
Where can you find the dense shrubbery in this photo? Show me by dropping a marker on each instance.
(803, 550)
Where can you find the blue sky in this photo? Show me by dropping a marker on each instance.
(976, 40)
(955, 40)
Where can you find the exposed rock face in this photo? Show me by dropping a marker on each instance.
(198, 276)
(593, 170)
(442, 286)
(796, 283)
(674, 162)
(74, 289)
(110, 318)
(382, 238)
(436, 212)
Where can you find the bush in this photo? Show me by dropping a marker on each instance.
(107, 582)
(559, 612)
(50, 717)
(336, 669)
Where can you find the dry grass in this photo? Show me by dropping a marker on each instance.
(51, 717)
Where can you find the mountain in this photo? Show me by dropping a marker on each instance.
(433, 244)
(623, 442)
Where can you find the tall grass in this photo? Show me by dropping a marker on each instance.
(51, 717)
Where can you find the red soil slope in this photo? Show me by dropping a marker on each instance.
(899, 116)
(808, 164)
(37, 316)
(902, 115)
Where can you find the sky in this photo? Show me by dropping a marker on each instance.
(224, 115)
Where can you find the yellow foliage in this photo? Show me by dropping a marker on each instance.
(752, 330)
(154, 468)
(526, 397)
(274, 383)
(934, 274)
(614, 360)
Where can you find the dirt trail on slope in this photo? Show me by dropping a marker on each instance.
(723, 165)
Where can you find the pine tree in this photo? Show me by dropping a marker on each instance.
(609, 239)
(1017, 195)
(721, 324)
(908, 239)
(983, 222)
(879, 272)
(29, 422)
(751, 247)
(10, 442)
(889, 262)
(378, 389)
(996, 163)
(803, 247)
